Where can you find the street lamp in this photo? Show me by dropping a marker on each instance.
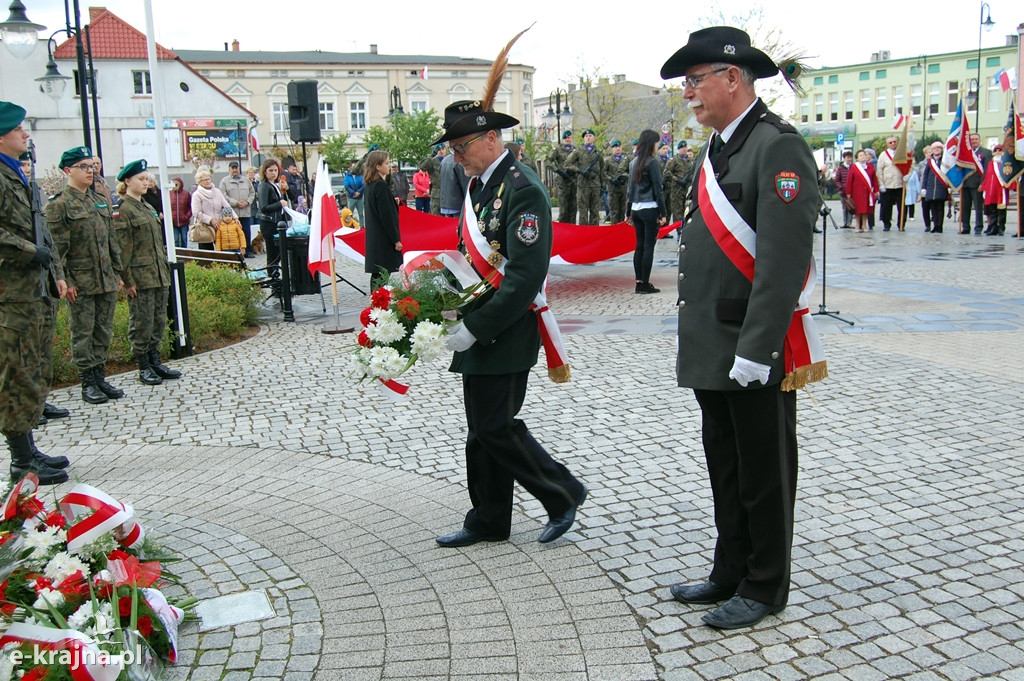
(972, 98)
(53, 83)
(984, 22)
(396, 103)
(557, 112)
(18, 33)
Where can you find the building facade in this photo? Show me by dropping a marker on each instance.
(858, 102)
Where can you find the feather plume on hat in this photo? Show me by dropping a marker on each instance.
(792, 66)
(498, 72)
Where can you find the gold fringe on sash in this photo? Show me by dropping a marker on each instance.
(806, 374)
(559, 374)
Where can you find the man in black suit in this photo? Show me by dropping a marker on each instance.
(754, 199)
(971, 189)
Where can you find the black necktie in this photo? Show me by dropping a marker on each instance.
(717, 145)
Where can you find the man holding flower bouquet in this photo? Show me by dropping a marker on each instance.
(497, 340)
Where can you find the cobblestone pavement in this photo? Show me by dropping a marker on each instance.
(270, 470)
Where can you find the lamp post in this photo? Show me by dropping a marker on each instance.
(973, 100)
(558, 112)
(984, 22)
(18, 33)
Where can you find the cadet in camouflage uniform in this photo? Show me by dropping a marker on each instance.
(588, 164)
(79, 219)
(616, 174)
(666, 184)
(558, 160)
(147, 277)
(524, 159)
(432, 166)
(31, 283)
(677, 180)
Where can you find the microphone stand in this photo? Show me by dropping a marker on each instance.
(826, 215)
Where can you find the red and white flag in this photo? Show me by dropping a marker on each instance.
(324, 221)
(423, 73)
(898, 121)
(253, 141)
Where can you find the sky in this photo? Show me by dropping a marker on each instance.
(569, 38)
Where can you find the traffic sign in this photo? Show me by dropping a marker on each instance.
(840, 138)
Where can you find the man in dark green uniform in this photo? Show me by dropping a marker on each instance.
(738, 294)
(147, 276)
(677, 177)
(497, 341)
(79, 219)
(558, 159)
(616, 174)
(31, 283)
(587, 162)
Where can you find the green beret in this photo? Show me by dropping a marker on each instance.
(616, 143)
(132, 169)
(588, 131)
(682, 143)
(27, 156)
(520, 141)
(11, 116)
(373, 147)
(74, 155)
(566, 134)
(636, 141)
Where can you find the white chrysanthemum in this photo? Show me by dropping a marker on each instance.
(386, 331)
(41, 541)
(428, 340)
(64, 565)
(386, 363)
(379, 315)
(48, 596)
(6, 663)
(360, 363)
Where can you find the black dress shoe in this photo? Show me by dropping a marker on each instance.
(42, 421)
(707, 592)
(739, 612)
(464, 537)
(560, 524)
(51, 411)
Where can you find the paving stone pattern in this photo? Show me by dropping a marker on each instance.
(268, 468)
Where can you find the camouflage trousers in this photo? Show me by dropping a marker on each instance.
(678, 203)
(26, 363)
(147, 320)
(435, 200)
(617, 203)
(92, 326)
(567, 202)
(588, 203)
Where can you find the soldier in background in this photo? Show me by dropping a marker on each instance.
(79, 218)
(147, 276)
(587, 162)
(524, 159)
(432, 166)
(616, 175)
(558, 159)
(31, 284)
(678, 173)
(663, 158)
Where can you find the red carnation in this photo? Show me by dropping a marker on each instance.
(55, 519)
(408, 307)
(124, 606)
(35, 674)
(364, 340)
(145, 626)
(117, 554)
(381, 298)
(364, 316)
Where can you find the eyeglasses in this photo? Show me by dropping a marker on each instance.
(461, 148)
(696, 79)
(85, 166)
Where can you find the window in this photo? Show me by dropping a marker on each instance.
(236, 73)
(355, 74)
(880, 102)
(880, 73)
(933, 99)
(916, 94)
(995, 100)
(819, 108)
(865, 104)
(327, 120)
(833, 79)
(357, 115)
(952, 95)
(897, 99)
(865, 75)
(805, 111)
(818, 80)
(933, 68)
(418, 106)
(915, 70)
(279, 113)
(141, 82)
(972, 64)
(321, 73)
(833, 106)
(278, 74)
(848, 105)
(991, 61)
(93, 84)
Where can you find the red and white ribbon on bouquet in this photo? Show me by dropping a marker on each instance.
(108, 515)
(170, 615)
(87, 661)
(27, 485)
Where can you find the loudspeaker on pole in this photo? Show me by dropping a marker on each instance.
(304, 111)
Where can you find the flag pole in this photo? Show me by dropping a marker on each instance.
(334, 294)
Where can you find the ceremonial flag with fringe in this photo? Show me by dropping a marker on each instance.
(958, 159)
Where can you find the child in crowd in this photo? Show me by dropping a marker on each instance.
(229, 235)
(348, 219)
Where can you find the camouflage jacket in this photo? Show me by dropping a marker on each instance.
(676, 171)
(432, 166)
(557, 158)
(588, 166)
(616, 173)
(20, 278)
(82, 227)
(140, 236)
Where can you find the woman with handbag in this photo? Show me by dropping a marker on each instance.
(208, 204)
(271, 203)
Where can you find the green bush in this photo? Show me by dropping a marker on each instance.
(222, 303)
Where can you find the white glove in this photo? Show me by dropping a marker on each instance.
(744, 372)
(460, 338)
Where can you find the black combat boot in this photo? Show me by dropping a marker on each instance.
(23, 461)
(51, 461)
(161, 370)
(101, 383)
(91, 392)
(146, 373)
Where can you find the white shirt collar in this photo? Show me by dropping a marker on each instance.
(490, 169)
(731, 128)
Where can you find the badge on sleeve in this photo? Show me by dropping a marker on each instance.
(787, 185)
(527, 232)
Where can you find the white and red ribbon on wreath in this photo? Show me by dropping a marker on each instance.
(27, 485)
(87, 661)
(108, 515)
(804, 359)
(478, 248)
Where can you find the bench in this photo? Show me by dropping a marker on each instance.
(211, 257)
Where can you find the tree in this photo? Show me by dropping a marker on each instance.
(337, 153)
(407, 138)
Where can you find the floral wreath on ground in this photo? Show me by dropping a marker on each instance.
(80, 594)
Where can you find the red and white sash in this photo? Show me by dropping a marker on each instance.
(804, 358)
(867, 180)
(937, 169)
(478, 249)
